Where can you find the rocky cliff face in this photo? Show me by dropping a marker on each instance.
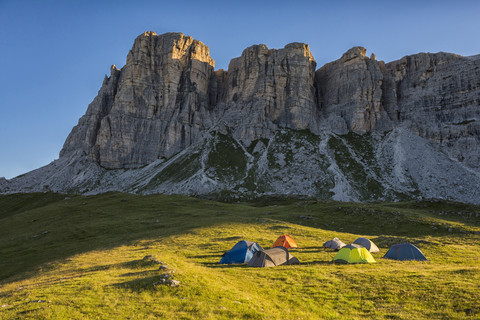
(438, 97)
(167, 95)
(268, 89)
(350, 92)
(156, 106)
(356, 129)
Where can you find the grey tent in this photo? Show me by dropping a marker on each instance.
(368, 244)
(277, 256)
(335, 243)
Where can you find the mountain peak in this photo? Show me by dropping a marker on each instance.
(353, 53)
(271, 123)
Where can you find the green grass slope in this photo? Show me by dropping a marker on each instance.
(80, 257)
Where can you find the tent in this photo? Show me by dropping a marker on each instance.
(353, 253)
(285, 241)
(368, 244)
(335, 243)
(277, 256)
(405, 251)
(241, 252)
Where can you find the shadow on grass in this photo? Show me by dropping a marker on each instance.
(387, 242)
(279, 227)
(140, 285)
(234, 238)
(129, 264)
(224, 266)
(318, 262)
(86, 223)
(467, 214)
(206, 256)
(314, 250)
(82, 272)
(244, 265)
(139, 273)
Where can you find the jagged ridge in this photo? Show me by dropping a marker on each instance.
(200, 131)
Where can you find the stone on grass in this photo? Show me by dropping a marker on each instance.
(174, 283)
(153, 259)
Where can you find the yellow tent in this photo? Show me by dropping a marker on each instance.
(353, 253)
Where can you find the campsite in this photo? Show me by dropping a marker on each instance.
(82, 257)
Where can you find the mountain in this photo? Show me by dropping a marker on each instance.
(356, 129)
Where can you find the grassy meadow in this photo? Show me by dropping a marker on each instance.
(81, 257)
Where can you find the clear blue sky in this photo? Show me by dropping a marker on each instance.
(55, 54)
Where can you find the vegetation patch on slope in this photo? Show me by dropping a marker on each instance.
(177, 170)
(227, 160)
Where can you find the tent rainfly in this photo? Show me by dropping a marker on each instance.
(368, 244)
(241, 252)
(285, 241)
(277, 256)
(405, 251)
(335, 243)
(353, 253)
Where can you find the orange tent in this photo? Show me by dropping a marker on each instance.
(285, 241)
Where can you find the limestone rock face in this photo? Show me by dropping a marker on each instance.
(84, 135)
(357, 129)
(350, 92)
(438, 97)
(154, 107)
(265, 89)
(168, 95)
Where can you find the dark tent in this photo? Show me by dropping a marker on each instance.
(272, 257)
(405, 251)
(241, 252)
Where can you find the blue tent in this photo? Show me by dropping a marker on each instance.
(405, 251)
(242, 252)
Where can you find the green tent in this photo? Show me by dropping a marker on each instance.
(353, 253)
